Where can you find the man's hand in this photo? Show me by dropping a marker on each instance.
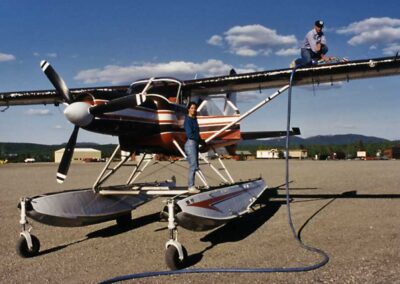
(325, 58)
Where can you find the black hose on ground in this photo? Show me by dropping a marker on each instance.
(248, 270)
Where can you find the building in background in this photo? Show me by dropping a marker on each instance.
(297, 154)
(80, 155)
(268, 154)
(362, 155)
(392, 153)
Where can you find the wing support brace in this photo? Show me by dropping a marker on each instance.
(247, 113)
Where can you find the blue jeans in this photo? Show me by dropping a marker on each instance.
(307, 55)
(192, 153)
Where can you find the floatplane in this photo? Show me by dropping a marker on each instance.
(147, 117)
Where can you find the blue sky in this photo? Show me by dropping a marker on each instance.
(97, 43)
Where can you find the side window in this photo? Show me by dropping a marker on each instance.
(216, 105)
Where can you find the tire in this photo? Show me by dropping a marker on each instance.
(124, 221)
(172, 258)
(24, 251)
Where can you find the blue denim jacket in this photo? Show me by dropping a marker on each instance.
(192, 128)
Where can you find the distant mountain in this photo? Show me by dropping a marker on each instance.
(341, 139)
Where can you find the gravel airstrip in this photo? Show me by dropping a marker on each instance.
(348, 209)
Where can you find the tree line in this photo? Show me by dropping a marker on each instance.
(345, 151)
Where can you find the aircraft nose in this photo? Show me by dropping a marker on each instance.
(78, 113)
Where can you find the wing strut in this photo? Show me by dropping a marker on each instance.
(247, 113)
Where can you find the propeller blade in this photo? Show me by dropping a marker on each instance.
(67, 156)
(56, 80)
(118, 104)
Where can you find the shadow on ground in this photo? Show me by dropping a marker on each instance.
(110, 231)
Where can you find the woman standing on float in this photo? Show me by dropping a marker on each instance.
(192, 145)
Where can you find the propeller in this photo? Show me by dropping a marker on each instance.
(67, 156)
(56, 80)
(82, 114)
(62, 90)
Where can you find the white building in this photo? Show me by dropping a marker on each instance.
(297, 154)
(268, 154)
(362, 155)
(80, 155)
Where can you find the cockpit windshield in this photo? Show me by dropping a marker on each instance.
(167, 87)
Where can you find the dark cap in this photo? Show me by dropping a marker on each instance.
(319, 23)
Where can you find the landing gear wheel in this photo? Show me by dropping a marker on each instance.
(172, 258)
(124, 220)
(24, 251)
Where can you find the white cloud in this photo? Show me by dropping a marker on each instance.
(392, 49)
(51, 54)
(370, 24)
(374, 32)
(243, 51)
(288, 51)
(38, 112)
(215, 40)
(115, 74)
(254, 40)
(383, 35)
(6, 57)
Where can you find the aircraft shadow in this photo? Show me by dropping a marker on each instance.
(110, 231)
(237, 229)
(60, 247)
(116, 229)
(270, 202)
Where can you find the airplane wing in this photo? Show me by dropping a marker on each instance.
(267, 134)
(52, 97)
(345, 71)
(325, 73)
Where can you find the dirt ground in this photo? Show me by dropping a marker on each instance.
(348, 209)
